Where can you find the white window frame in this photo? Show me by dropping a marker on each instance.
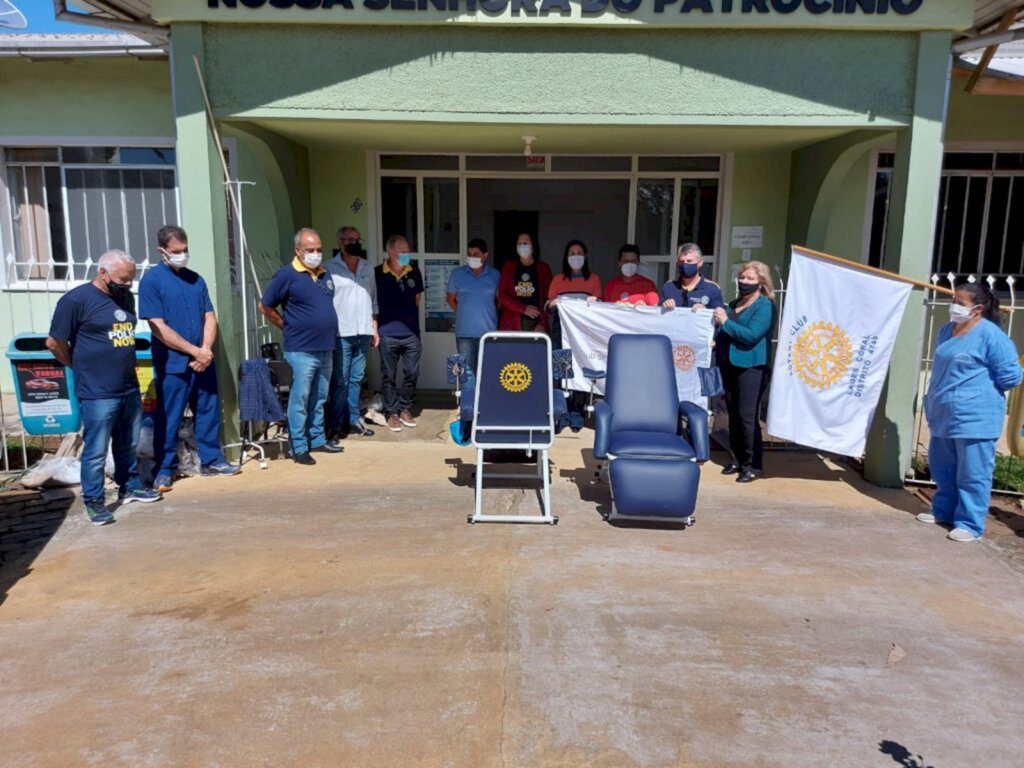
(633, 176)
(32, 285)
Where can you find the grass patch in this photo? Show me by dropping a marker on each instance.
(15, 458)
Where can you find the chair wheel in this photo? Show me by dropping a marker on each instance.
(554, 521)
(263, 465)
(469, 519)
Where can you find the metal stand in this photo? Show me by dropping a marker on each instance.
(543, 474)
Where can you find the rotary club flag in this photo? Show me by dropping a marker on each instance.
(838, 327)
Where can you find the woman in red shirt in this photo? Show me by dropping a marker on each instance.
(523, 288)
(576, 276)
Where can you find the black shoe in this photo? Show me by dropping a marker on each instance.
(304, 458)
(730, 469)
(328, 448)
(746, 476)
(360, 429)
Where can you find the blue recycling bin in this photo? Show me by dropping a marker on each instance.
(44, 387)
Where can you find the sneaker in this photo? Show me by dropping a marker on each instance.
(407, 420)
(219, 468)
(394, 424)
(962, 535)
(926, 517)
(359, 428)
(145, 495)
(162, 482)
(98, 514)
(304, 458)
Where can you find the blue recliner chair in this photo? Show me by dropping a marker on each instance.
(652, 470)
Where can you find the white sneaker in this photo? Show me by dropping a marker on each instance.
(926, 517)
(962, 535)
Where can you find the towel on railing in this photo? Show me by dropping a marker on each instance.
(257, 400)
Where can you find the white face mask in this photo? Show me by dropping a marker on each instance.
(959, 314)
(629, 268)
(576, 262)
(474, 262)
(177, 260)
(525, 250)
(312, 260)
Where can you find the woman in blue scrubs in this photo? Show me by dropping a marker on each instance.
(975, 364)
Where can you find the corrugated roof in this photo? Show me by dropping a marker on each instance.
(52, 46)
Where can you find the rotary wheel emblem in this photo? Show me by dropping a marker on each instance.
(515, 377)
(821, 355)
(684, 357)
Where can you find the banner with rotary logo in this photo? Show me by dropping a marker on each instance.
(837, 332)
(586, 328)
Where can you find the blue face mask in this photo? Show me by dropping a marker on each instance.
(404, 259)
(687, 271)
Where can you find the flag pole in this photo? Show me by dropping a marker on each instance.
(874, 270)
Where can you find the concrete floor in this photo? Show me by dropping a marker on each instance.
(346, 615)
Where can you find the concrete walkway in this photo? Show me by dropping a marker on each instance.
(346, 615)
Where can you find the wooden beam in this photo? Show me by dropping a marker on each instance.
(986, 57)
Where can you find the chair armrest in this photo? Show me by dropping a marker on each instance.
(593, 374)
(602, 429)
(696, 429)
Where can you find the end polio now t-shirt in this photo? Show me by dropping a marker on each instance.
(101, 332)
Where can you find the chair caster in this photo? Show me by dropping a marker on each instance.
(554, 521)
(264, 465)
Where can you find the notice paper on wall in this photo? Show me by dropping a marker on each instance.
(747, 237)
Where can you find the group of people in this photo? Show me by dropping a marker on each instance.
(331, 314)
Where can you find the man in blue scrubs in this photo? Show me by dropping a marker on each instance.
(93, 333)
(305, 292)
(175, 301)
(473, 294)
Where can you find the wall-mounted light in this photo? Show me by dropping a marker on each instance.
(528, 145)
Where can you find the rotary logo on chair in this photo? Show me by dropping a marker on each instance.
(515, 377)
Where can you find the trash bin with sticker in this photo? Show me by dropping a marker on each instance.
(44, 387)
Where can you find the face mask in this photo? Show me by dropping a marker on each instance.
(524, 250)
(748, 288)
(474, 262)
(177, 260)
(959, 314)
(576, 262)
(355, 249)
(117, 290)
(629, 268)
(404, 259)
(312, 260)
(686, 271)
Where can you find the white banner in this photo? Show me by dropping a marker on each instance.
(586, 329)
(835, 340)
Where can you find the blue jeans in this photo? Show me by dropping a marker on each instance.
(347, 379)
(395, 349)
(173, 392)
(311, 372)
(115, 420)
(962, 469)
(470, 347)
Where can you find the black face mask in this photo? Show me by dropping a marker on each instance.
(355, 249)
(686, 271)
(117, 290)
(748, 288)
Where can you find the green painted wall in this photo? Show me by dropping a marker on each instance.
(845, 231)
(499, 75)
(983, 118)
(760, 184)
(85, 97)
(338, 179)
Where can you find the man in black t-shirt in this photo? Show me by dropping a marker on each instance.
(93, 333)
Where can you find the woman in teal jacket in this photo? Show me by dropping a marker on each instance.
(975, 364)
(742, 351)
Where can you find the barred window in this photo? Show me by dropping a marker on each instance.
(68, 205)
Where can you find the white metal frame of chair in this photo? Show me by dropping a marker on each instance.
(543, 464)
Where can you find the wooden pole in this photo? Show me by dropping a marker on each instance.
(874, 270)
(986, 57)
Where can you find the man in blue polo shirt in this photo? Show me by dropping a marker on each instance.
(690, 288)
(399, 290)
(93, 333)
(175, 301)
(305, 292)
(472, 293)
